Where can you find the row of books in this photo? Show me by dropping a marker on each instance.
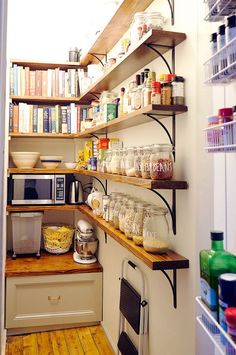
(25, 118)
(47, 83)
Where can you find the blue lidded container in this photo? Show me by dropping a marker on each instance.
(227, 295)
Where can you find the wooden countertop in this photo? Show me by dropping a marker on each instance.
(48, 264)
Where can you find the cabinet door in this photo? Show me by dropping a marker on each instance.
(54, 299)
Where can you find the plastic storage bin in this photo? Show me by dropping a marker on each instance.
(26, 233)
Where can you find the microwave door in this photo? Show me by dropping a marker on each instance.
(33, 189)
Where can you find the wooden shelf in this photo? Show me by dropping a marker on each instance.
(40, 65)
(45, 99)
(136, 58)
(168, 261)
(48, 264)
(42, 171)
(114, 30)
(132, 119)
(145, 183)
(17, 208)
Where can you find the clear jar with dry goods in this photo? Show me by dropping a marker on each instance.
(122, 213)
(137, 229)
(156, 231)
(166, 92)
(129, 161)
(108, 155)
(115, 161)
(145, 162)
(113, 197)
(122, 161)
(161, 162)
(117, 207)
(129, 219)
(154, 20)
(137, 161)
(178, 96)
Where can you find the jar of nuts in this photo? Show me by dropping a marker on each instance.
(156, 231)
(161, 162)
(145, 162)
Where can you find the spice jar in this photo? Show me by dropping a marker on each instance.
(145, 162)
(137, 229)
(137, 161)
(105, 206)
(129, 162)
(156, 231)
(156, 93)
(122, 213)
(154, 20)
(178, 91)
(116, 212)
(129, 219)
(115, 162)
(166, 93)
(225, 115)
(161, 162)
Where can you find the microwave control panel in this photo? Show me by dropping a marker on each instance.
(60, 188)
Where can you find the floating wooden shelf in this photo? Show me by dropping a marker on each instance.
(45, 99)
(17, 208)
(168, 261)
(40, 65)
(132, 119)
(136, 58)
(145, 183)
(114, 30)
(48, 264)
(41, 171)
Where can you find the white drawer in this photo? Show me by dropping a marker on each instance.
(54, 299)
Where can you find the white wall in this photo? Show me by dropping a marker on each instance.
(171, 331)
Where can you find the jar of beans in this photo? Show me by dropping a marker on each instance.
(161, 162)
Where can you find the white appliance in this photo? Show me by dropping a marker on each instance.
(85, 244)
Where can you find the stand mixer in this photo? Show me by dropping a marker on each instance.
(85, 244)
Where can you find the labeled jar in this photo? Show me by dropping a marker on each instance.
(166, 92)
(154, 20)
(156, 93)
(115, 162)
(225, 115)
(178, 97)
(129, 162)
(145, 162)
(156, 231)
(129, 219)
(137, 161)
(161, 162)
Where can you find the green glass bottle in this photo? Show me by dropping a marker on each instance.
(213, 263)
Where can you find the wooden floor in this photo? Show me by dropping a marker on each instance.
(75, 341)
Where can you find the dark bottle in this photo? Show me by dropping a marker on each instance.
(213, 263)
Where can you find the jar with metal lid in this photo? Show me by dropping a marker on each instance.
(161, 162)
(113, 197)
(137, 228)
(115, 161)
(156, 231)
(154, 20)
(178, 97)
(105, 207)
(166, 93)
(145, 162)
(122, 213)
(225, 115)
(116, 212)
(138, 27)
(137, 161)
(129, 219)
(129, 161)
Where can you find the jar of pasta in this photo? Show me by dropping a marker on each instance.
(161, 162)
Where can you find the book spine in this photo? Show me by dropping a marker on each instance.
(15, 76)
(38, 83)
(72, 84)
(49, 82)
(35, 119)
(40, 120)
(44, 83)
(32, 83)
(21, 117)
(11, 117)
(72, 115)
(57, 114)
(15, 118)
(50, 120)
(63, 119)
(27, 81)
(68, 119)
(22, 81)
(11, 81)
(57, 82)
(59, 119)
(19, 69)
(78, 117)
(30, 118)
(53, 116)
(45, 119)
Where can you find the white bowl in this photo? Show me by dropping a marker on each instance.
(25, 160)
(50, 161)
(70, 165)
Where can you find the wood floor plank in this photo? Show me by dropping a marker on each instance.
(6, 349)
(44, 344)
(73, 342)
(87, 341)
(101, 340)
(58, 342)
(30, 346)
(15, 345)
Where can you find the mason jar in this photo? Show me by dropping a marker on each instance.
(117, 207)
(138, 27)
(113, 197)
(137, 161)
(145, 162)
(129, 162)
(156, 231)
(161, 162)
(115, 161)
(108, 161)
(122, 213)
(137, 228)
(129, 219)
(154, 20)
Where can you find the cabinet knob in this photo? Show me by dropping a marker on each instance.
(54, 299)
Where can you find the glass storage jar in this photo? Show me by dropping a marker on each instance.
(113, 197)
(138, 27)
(156, 231)
(115, 161)
(129, 219)
(129, 161)
(122, 213)
(137, 161)
(105, 207)
(161, 162)
(108, 161)
(122, 161)
(137, 228)
(145, 162)
(154, 20)
(117, 207)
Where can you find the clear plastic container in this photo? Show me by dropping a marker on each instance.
(129, 219)
(117, 208)
(115, 161)
(156, 231)
(154, 20)
(161, 162)
(129, 161)
(137, 161)
(145, 162)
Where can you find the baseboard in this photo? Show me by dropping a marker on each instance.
(4, 339)
(114, 346)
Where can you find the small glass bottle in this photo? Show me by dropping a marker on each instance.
(215, 61)
(230, 35)
(145, 162)
(166, 93)
(129, 162)
(161, 162)
(147, 91)
(108, 161)
(220, 44)
(156, 93)
(178, 97)
(137, 161)
(121, 103)
(136, 98)
(146, 73)
(129, 219)
(156, 231)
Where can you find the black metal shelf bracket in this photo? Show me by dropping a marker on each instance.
(103, 186)
(96, 55)
(96, 96)
(171, 210)
(93, 135)
(173, 285)
(172, 11)
(152, 46)
(105, 235)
